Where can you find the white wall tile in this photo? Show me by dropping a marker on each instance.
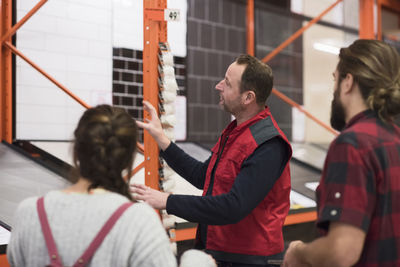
(27, 75)
(55, 8)
(104, 4)
(46, 60)
(31, 39)
(99, 49)
(72, 41)
(41, 96)
(66, 45)
(42, 23)
(87, 81)
(24, 6)
(41, 114)
(73, 115)
(34, 131)
(77, 29)
(89, 65)
(89, 14)
(104, 34)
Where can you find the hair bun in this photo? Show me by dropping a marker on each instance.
(386, 101)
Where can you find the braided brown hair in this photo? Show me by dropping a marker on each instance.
(105, 145)
(375, 67)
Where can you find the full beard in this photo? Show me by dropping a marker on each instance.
(338, 117)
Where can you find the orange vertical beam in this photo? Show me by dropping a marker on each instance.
(3, 258)
(153, 32)
(379, 19)
(6, 74)
(366, 19)
(250, 27)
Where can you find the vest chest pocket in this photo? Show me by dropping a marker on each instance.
(226, 172)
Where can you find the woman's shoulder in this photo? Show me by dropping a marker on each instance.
(25, 211)
(30, 203)
(27, 204)
(142, 209)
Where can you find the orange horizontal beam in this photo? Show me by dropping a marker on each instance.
(156, 14)
(59, 85)
(302, 217)
(140, 147)
(23, 20)
(308, 114)
(134, 171)
(185, 234)
(298, 33)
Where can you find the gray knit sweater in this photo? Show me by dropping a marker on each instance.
(137, 239)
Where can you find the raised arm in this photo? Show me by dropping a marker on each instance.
(153, 126)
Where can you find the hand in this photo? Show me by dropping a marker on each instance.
(153, 126)
(291, 259)
(197, 258)
(154, 198)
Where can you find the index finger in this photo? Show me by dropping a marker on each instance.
(141, 186)
(148, 106)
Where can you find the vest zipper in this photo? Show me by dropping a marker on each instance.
(203, 227)
(211, 184)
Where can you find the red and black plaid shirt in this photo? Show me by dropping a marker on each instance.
(360, 186)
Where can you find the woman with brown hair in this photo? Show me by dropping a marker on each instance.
(59, 228)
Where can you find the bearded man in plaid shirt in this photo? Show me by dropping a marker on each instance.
(359, 193)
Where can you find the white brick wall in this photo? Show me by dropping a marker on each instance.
(72, 41)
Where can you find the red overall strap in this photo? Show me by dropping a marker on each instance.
(88, 254)
(48, 236)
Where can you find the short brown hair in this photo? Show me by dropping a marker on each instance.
(256, 77)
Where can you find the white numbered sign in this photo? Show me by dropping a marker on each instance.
(172, 14)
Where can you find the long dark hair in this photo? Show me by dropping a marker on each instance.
(375, 66)
(105, 145)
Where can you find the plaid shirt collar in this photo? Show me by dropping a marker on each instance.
(363, 114)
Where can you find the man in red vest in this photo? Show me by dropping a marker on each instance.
(246, 180)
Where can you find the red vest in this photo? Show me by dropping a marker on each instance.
(260, 232)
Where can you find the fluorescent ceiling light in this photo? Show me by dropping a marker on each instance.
(326, 48)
